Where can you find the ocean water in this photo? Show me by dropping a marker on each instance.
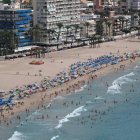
(105, 109)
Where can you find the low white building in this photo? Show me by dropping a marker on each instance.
(84, 17)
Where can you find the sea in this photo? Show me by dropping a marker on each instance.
(107, 108)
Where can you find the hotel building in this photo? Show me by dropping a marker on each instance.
(18, 20)
(47, 13)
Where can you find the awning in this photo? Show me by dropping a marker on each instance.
(26, 48)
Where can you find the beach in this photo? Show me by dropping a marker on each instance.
(19, 72)
(105, 108)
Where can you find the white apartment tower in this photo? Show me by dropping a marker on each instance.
(47, 13)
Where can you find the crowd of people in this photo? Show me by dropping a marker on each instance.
(75, 70)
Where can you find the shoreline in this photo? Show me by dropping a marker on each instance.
(38, 99)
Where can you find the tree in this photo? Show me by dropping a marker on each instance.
(122, 20)
(109, 25)
(81, 29)
(138, 28)
(8, 41)
(53, 34)
(136, 18)
(99, 27)
(139, 16)
(126, 20)
(67, 31)
(2, 42)
(34, 33)
(50, 33)
(13, 40)
(87, 24)
(59, 25)
(115, 26)
(92, 41)
(98, 38)
(76, 27)
(105, 21)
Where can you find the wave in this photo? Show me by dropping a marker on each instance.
(138, 66)
(60, 97)
(98, 98)
(115, 88)
(81, 89)
(49, 105)
(17, 136)
(75, 113)
(55, 137)
(88, 102)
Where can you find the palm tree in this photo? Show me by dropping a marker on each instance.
(87, 24)
(109, 25)
(138, 28)
(126, 20)
(92, 39)
(115, 26)
(50, 33)
(99, 27)
(34, 33)
(13, 40)
(2, 42)
(8, 41)
(98, 38)
(67, 31)
(122, 20)
(1, 48)
(105, 21)
(139, 16)
(135, 18)
(81, 29)
(76, 27)
(16, 41)
(59, 25)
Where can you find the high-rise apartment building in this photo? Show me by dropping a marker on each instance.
(47, 13)
(19, 21)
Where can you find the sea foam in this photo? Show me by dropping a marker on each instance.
(81, 89)
(49, 105)
(115, 88)
(98, 98)
(17, 136)
(60, 97)
(75, 113)
(137, 67)
(55, 137)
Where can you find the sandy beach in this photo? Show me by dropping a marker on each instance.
(19, 72)
(56, 62)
